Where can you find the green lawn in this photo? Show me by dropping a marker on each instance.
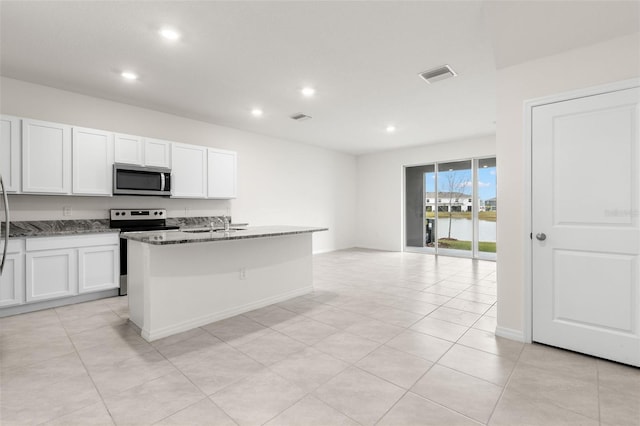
(484, 246)
(488, 216)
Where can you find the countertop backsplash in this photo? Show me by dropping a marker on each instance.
(42, 228)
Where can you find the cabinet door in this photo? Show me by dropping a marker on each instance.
(51, 274)
(10, 152)
(92, 162)
(98, 268)
(46, 157)
(129, 149)
(221, 172)
(157, 153)
(189, 171)
(12, 280)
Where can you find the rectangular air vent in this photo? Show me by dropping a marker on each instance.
(437, 74)
(300, 117)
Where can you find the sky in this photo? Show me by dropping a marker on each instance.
(486, 181)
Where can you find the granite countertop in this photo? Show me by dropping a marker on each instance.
(182, 237)
(48, 228)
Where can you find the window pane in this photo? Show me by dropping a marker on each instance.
(414, 204)
(487, 194)
(454, 222)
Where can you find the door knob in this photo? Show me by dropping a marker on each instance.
(541, 236)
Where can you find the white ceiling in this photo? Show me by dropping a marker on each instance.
(362, 57)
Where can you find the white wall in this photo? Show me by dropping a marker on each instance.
(380, 205)
(279, 182)
(606, 62)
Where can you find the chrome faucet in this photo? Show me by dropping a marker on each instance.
(224, 222)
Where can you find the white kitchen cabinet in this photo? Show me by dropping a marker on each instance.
(51, 274)
(98, 268)
(46, 157)
(221, 172)
(10, 152)
(129, 149)
(157, 153)
(189, 171)
(142, 151)
(92, 162)
(65, 266)
(12, 279)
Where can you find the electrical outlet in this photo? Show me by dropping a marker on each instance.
(67, 211)
(243, 274)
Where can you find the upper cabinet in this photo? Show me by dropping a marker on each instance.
(157, 153)
(39, 157)
(92, 162)
(129, 149)
(10, 152)
(189, 171)
(46, 157)
(142, 151)
(221, 173)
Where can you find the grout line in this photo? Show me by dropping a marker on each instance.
(86, 370)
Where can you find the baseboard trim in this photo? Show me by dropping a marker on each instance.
(55, 303)
(510, 333)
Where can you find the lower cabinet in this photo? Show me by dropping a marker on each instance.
(12, 278)
(66, 266)
(98, 268)
(51, 274)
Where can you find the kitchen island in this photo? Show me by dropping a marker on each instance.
(180, 280)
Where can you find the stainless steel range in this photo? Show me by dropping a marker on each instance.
(132, 220)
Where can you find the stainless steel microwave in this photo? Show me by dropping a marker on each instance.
(138, 180)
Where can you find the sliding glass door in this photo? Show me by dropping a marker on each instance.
(455, 208)
(451, 208)
(488, 208)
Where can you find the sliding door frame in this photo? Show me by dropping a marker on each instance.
(474, 253)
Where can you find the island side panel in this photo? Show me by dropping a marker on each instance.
(138, 265)
(190, 285)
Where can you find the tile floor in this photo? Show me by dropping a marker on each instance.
(386, 338)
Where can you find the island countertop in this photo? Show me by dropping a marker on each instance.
(188, 236)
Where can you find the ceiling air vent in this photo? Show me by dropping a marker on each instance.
(437, 74)
(300, 117)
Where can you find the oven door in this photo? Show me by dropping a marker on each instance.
(136, 180)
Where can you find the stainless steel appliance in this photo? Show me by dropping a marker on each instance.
(137, 180)
(7, 221)
(132, 220)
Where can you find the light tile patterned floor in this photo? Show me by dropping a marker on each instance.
(386, 338)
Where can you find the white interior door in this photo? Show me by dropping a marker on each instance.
(586, 192)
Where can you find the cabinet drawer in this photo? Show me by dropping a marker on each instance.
(74, 241)
(15, 246)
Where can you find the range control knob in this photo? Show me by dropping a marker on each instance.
(155, 213)
(160, 213)
(117, 213)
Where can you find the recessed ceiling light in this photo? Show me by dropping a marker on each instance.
(391, 129)
(128, 75)
(308, 91)
(170, 34)
(256, 112)
(485, 166)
